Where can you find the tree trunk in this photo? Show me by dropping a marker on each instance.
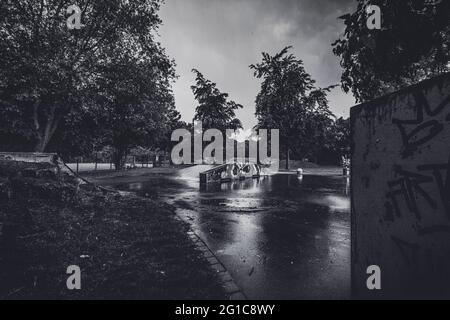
(287, 158)
(45, 134)
(119, 158)
(45, 137)
(40, 145)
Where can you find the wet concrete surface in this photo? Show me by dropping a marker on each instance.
(280, 237)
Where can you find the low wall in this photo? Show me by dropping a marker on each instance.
(28, 156)
(401, 192)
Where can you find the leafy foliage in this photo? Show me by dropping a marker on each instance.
(413, 44)
(290, 101)
(214, 109)
(111, 68)
(133, 97)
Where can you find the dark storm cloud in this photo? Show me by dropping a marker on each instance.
(222, 38)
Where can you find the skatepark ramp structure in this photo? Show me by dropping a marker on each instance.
(230, 171)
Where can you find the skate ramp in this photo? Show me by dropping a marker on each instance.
(193, 172)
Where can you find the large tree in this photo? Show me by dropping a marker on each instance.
(214, 109)
(134, 97)
(413, 44)
(335, 147)
(47, 70)
(289, 101)
(174, 122)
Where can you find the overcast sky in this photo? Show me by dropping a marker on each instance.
(221, 38)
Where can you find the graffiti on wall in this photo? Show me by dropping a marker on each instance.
(422, 131)
(401, 191)
(412, 193)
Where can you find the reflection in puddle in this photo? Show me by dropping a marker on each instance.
(136, 186)
(333, 202)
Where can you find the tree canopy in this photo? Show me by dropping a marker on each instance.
(112, 67)
(289, 101)
(214, 109)
(412, 45)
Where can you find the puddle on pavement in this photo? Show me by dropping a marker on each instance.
(281, 237)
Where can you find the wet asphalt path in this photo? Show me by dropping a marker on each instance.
(280, 237)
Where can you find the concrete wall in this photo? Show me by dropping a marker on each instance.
(401, 192)
(28, 156)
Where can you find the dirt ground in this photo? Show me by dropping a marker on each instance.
(127, 247)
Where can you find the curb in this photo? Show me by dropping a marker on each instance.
(225, 278)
